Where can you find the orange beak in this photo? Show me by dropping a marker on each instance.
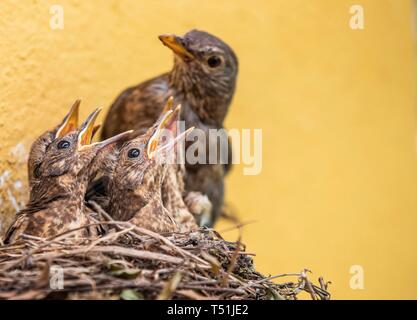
(168, 105)
(154, 139)
(70, 122)
(87, 130)
(166, 122)
(175, 43)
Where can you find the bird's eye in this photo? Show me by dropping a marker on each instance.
(214, 61)
(133, 153)
(63, 144)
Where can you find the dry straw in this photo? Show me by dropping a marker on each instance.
(129, 262)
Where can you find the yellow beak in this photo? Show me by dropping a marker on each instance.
(87, 129)
(165, 123)
(175, 43)
(70, 122)
(168, 106)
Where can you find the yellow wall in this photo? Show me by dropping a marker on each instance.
(339, 180)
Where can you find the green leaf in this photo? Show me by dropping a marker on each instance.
(125, 273)
(129, 294)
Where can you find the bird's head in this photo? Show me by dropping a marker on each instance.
(141, 162)
(204, 65)
(70, 157)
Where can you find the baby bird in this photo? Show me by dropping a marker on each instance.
(61, 164)
(39, 146)
(203, 81)
(146, 186)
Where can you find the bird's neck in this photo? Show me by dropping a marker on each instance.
(208, 100)
(126, 201)
(173, 189)
(65, 195)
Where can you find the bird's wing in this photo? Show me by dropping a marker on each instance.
(17, 227)
(37, 152)
(29, 219)
(228, 165)
(137, 107)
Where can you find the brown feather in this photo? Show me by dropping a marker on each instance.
(205, 96)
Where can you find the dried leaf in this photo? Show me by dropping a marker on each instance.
(214, 263)
(170, 287)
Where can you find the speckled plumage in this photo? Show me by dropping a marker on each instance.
(61, 164)
(146, 192)
(205, 94)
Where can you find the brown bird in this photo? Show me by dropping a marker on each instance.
(203, 81)
(61, 164)
(39, 146)
(146, 186)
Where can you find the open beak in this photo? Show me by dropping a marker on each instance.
(124, 136)
(154, 139)
(70, 122)
(168, 105)
(95, 129)
(87, 130)
(170, 123)
(176, 44)
(177, 139)
(167, 122)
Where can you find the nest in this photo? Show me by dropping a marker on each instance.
(129, 262)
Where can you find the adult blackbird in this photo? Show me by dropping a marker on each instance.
(202, 80)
